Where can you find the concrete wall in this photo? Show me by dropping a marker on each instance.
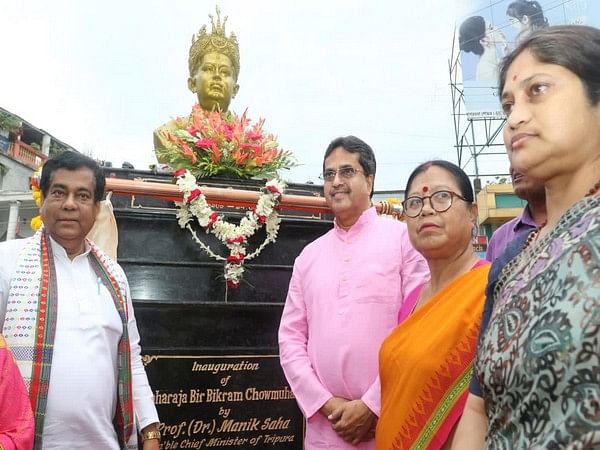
(27, 210)
(14, 185)
(14, 176)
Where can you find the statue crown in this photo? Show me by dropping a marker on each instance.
(217, 42)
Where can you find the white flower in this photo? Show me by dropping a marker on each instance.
(183, 214)
(224, 231)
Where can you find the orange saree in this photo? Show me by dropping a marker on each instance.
(425, 366)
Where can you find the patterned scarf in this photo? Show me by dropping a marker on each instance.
(30, 328)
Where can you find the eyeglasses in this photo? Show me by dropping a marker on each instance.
(440, 201)
(345, 173)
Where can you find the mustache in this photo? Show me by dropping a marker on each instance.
(338, 191)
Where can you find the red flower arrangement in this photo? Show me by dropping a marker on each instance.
(211, 143)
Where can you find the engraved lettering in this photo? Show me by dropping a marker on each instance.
(225, 402)
(277, 394)
(192, 443)
(217, 395)
(170, 398)
(275, 424)
(171, 431)
(239, 425)
(273, 440)
(226, 442)
(224, 367)
(197, 396)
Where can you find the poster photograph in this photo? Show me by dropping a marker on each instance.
(488, 30)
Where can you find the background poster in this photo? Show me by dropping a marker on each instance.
(487, 30)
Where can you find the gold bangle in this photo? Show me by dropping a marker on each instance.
(147, 435)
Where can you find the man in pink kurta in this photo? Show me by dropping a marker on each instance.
(343, 300)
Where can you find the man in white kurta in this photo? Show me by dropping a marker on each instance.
(83, 378)
(82, 391)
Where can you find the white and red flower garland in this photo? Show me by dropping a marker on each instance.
(234, 237)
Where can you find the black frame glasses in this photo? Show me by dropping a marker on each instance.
(437, 203)
(345, 173)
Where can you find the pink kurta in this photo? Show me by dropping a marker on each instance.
(343, 300)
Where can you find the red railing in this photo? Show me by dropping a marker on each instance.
(27, 155)
(230, 197)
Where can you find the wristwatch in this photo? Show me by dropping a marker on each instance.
(154, 434)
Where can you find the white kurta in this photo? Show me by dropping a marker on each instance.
(83, 382)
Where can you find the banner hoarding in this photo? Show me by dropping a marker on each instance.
(489, 29)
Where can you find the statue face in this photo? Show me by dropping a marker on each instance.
(214, 82)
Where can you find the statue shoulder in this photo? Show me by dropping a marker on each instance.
(160, 137)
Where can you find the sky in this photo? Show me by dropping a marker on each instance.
(102, 75)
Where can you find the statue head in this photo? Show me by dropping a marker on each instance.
(214, 64)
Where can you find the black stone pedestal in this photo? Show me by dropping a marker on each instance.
(211, 352)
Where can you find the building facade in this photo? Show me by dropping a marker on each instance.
(497, 205)
(23, 149)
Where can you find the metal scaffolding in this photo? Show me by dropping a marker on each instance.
(475, 137)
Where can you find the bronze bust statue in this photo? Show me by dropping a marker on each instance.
(214, 66)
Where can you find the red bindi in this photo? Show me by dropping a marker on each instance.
(514, 77)
(425, 188)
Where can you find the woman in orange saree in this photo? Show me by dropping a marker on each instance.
(16, 418)
(426, 363)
